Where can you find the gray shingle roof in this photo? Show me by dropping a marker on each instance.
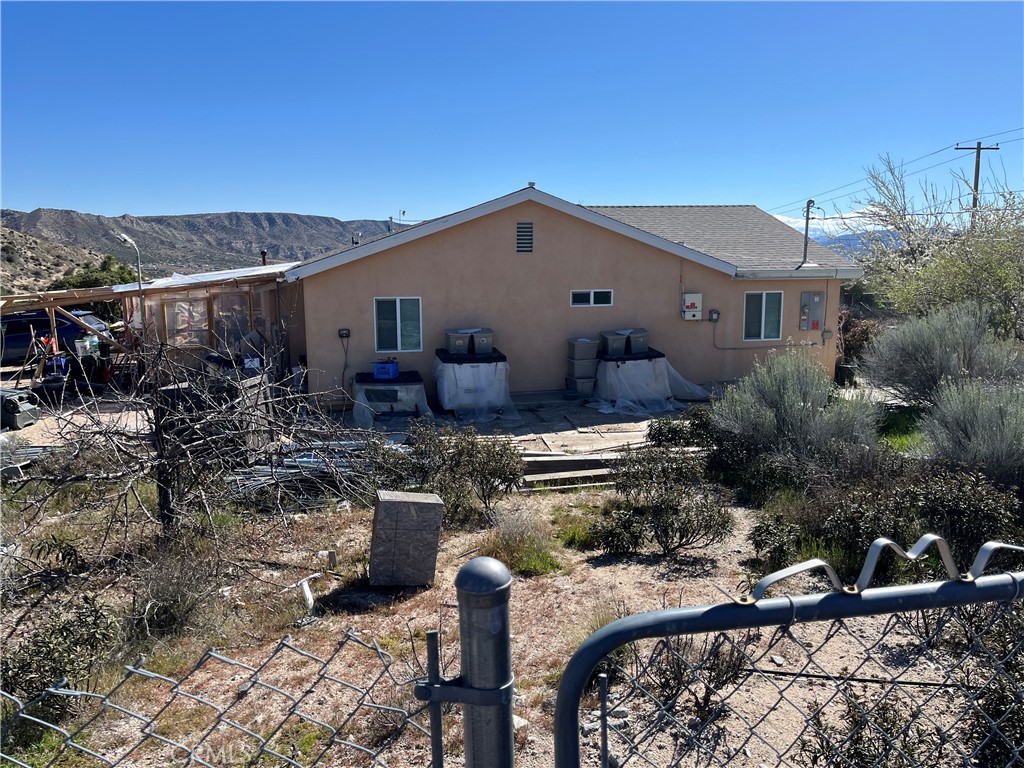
(743, 235)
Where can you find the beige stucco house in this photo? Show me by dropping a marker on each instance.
(540, 270)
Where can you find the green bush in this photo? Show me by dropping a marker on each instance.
(839, 524)
(698, 517)
(786, 405)
(955, 344)
(72, 642)
(496, 467)
(455, 463)
(621, 531)
(775, 540)
(782, 425)
(967, 510)
(577, 528)
(669, 432)
(522, 542)
(644, 475)
(981, 427)
(665, 499)
(855, 517)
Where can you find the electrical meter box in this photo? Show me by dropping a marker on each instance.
(692, 305)
(812, 310)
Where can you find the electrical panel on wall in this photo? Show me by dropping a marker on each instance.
(692, 305)
(812, 310)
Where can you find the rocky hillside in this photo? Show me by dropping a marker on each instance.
(31, 264)
(197, 242)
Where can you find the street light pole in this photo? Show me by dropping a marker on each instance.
(138, 270)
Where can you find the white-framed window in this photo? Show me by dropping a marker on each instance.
(591, 297)
(398, 324)
(762, 316)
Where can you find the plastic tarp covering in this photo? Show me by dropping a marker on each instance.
(642, 387)
(372, 400)
(475, 391)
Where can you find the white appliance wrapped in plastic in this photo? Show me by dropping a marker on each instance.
(475, 391)
(642, 387)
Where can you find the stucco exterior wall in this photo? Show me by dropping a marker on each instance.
(470, 275)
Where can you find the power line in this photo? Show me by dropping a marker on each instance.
(912, 173)
(867, 189)
(901, 165)
(937, 211)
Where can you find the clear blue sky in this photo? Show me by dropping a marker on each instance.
(360, 110)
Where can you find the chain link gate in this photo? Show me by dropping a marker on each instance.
(895, 677)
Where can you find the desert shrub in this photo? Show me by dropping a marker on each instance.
(964, 508)
(781, 423)
(699, 670)
(981, 427)
(856, 334)
(670, 432)
(665, 499)
(495, 468)
(955, 344)
(576, 528)
(522, 542)
(643, 475)
(174, 585)
(456, 464)
(785, 405)
(887, 730)
(699, 517)
(775, 540)
(620, 531)
(72, 642)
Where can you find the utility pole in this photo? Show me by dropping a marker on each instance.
(978, 149)
(807, 228)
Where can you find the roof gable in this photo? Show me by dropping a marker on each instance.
(737, 240)
(469, 214)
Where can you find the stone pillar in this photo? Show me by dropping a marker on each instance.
(406, 531)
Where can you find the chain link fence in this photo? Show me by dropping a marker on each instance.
(908, 676)
(933, 688)
(354, 706)
(895, 677)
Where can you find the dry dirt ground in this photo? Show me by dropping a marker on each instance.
(550, 615)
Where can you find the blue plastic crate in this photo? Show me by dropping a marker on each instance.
(385, 371)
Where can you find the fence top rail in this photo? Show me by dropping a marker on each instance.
(736, 615)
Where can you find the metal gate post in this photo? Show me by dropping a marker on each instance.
(482, 588)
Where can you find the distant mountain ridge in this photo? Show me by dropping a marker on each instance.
(31, 264)
(198, 242)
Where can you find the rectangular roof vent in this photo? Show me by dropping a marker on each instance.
(524, 237)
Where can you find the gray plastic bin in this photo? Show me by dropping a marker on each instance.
(455, 342)
(637, 343)
(582, 387)
(583, 349)
(583, 369)
(483, 341)
(613, 343)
